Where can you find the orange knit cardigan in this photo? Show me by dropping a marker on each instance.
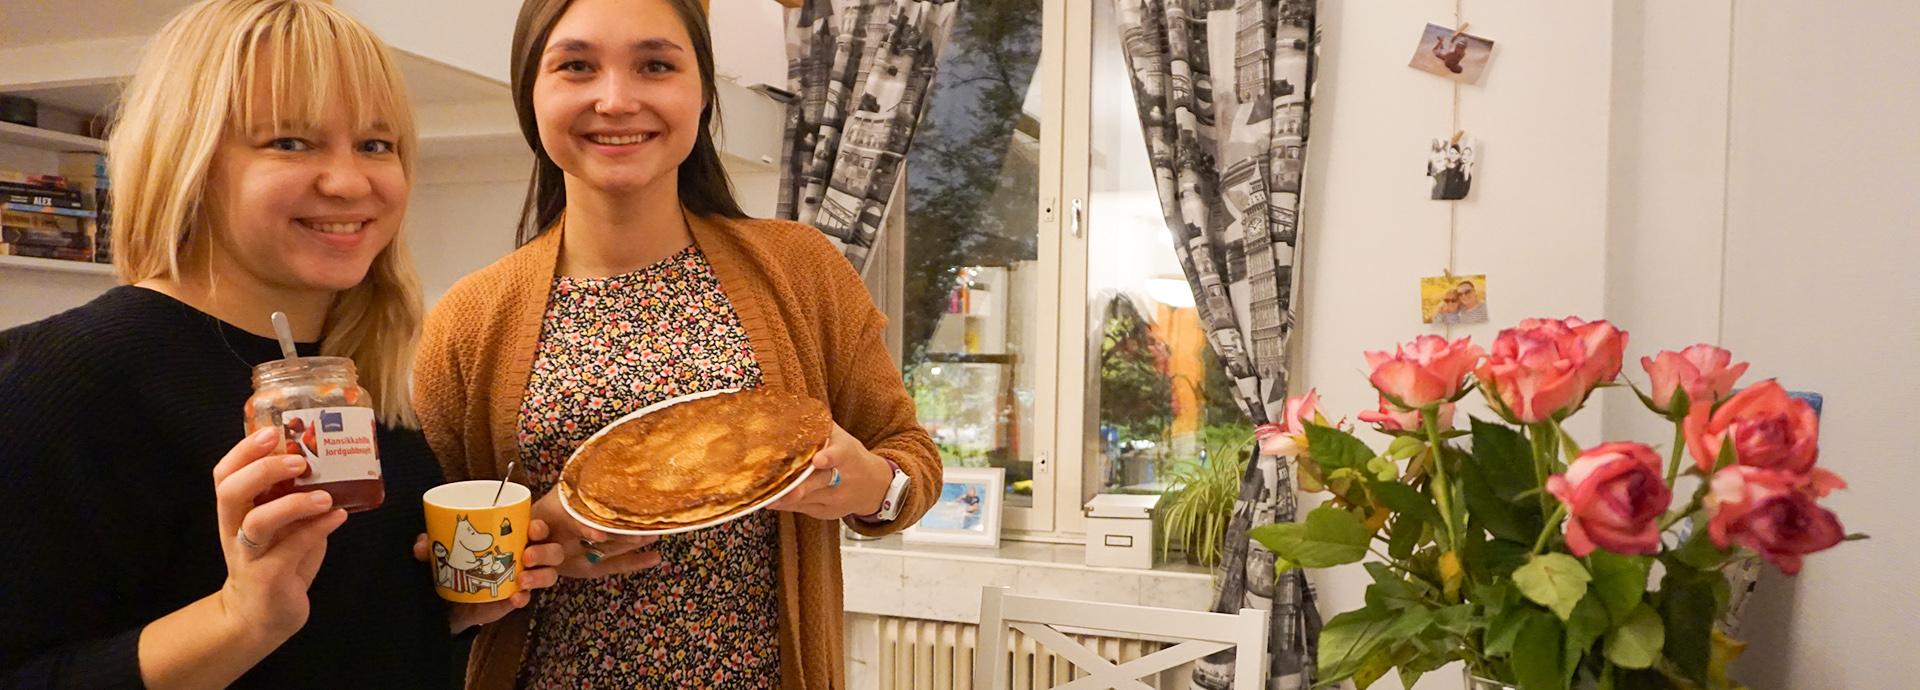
(814, 330)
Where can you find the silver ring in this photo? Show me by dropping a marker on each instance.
(835, 479)
(240, 535)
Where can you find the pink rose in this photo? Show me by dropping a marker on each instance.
(1768, 428)
(1701, 370)
(1390, 418)
(1605, 348)
(1773, 513)
(1288, 437)
(1533, 371)
(1614, 497)
(1429, 369)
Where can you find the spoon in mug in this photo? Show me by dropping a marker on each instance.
(503, 483)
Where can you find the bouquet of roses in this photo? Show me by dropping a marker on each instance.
(1527, 555)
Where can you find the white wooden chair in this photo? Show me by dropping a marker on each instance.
(1198, 634)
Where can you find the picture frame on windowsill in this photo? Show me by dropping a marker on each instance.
(967, 512)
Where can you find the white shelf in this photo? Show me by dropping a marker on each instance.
(55, 265)
(48, 139)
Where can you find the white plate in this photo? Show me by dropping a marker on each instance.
(642, 412)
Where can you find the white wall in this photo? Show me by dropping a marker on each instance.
(1823, 236)
(1692, 172)
(1535, 223)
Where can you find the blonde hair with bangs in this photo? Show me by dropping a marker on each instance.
(195, 86)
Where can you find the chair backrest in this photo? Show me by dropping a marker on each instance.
(1199, 634)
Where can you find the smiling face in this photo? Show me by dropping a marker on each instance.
(618, 95)
(304, 206)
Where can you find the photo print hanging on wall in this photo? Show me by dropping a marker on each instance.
(1450, 163)
(1453, 300)
(1452, 53)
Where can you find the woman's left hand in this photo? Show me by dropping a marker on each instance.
(537, 573)
(862, 485)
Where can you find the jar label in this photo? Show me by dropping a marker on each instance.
(336, 441)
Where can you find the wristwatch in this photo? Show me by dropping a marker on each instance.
(896, 497)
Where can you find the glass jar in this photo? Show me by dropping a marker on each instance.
(326, 417)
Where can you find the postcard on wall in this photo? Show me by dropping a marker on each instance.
(1450, 53)
(1450, 163)
(1451, 299)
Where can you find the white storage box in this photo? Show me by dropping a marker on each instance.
(1122, 530)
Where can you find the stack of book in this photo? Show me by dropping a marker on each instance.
(56, 216)
(87, 172)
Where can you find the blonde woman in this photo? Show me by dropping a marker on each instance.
(639, 279)
(261, 162)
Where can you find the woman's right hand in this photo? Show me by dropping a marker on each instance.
(273, 549)
(591, 552)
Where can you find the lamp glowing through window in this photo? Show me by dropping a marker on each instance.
(1170, 291)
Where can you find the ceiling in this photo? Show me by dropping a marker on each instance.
(40, 22)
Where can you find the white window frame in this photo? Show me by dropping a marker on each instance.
(1064, 430)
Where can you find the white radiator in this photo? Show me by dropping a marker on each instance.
(918, 654)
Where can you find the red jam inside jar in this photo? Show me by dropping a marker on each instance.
(326, 417)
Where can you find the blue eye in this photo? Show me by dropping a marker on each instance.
(289, 144)
(376, 146)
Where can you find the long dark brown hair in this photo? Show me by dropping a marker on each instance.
(704, 187)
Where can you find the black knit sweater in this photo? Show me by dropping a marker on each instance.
(112, 416)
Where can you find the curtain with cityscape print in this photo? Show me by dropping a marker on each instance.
(1227, 144)
(860, 71)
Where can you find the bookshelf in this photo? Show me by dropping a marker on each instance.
(35, 137)
(28, 263)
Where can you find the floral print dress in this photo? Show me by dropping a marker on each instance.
(706, 616)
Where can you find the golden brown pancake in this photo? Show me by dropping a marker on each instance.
(695, 461)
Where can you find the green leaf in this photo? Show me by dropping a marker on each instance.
(1620, 581)
(1329, 537)
(1497, 558)
(1500, 517)
(1554, 580)
(1406, 500)
(1457, 619)
(1334, 449)
(1536, 654)
(1504, 459)
(1382, 470)
(1588, 621)
(1404, 447)
(1495, 598)
(1403, 536)
(1636, 642)
(1688, 605)
(1373, 667)
(1351, 637)
(1505, 628)
(1699, 551)
(1389, 591)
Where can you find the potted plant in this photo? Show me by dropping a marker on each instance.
(1528, 555)
(1199, 503)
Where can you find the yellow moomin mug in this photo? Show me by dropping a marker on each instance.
(478, 544)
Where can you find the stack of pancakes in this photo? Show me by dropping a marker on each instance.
(695, 461)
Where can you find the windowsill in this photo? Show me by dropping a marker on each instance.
(889, 577)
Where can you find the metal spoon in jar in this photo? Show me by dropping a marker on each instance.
(285, 332)
(285, 336)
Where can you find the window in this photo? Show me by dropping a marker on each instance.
(1045, 324)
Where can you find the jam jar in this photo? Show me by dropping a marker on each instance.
(326, 417)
